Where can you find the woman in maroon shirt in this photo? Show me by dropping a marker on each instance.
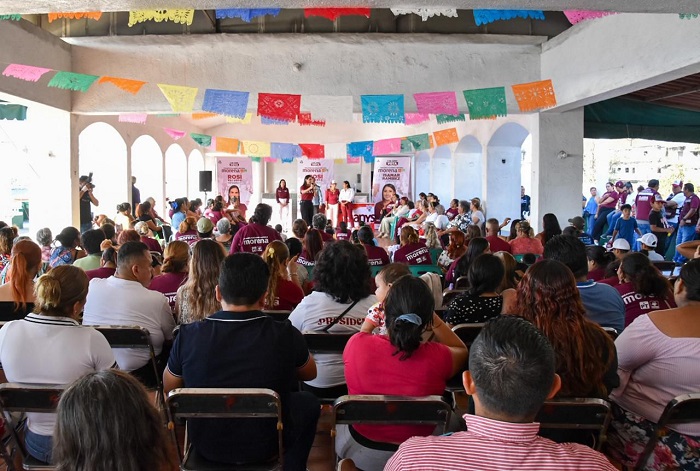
(376, 256)
(306, 196)
(282, 198)
(598, 260)
(176, 259)
(606, 205)
(642, 287)
(284, 288)
(412, 250)
(313, 244)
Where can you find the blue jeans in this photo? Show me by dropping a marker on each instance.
(85, 226)
(685, 234)
(612, 220)
(39, 446)
(600, 222)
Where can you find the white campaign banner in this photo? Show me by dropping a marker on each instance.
(232, 173)
(320, 169)
(392, 175)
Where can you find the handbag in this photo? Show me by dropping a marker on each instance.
(337, 319)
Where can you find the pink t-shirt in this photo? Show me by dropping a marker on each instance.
(213, 216)
(168, 283)
(413, 254)
(253, 238)
(637, 304)
(644, 200)
(523, 245)
(372, 368)
(377, 256)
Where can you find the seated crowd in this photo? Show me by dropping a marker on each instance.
(562, 317)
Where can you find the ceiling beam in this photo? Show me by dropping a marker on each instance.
(628, 6)
(677, 93)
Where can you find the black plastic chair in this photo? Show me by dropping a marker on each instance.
(223, 403)
(450, 295)
(577, 419)
(683, 409)
(461, 283)
(467, 334)
(23, 398)
(322, 342)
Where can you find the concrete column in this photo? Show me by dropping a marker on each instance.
(74, 171)
(128, 176)
(555, 182)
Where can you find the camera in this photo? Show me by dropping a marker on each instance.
(86, 182)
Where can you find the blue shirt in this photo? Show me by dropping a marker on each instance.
(625, 228)
(603, 304)
(591, 206)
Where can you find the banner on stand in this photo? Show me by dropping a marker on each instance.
(320, 169)
(234, 171)
(392, 175)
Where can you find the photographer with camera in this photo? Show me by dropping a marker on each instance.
(86, 197)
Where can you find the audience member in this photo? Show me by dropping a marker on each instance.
(124, 219)
(105, 421)
(550, 228)
(432, 241)
(187, 231)
(412, 250)
(90, 242)
(214, 211)
(339, 304)
(343, 233)
(687, 219)
(455, 249)
(205, 228)
(648, 243)
(123, 299)
(602, 303)
(659, 225)
(299, 228)
(642, 287)
(598, 260)
(626, 226)
(376, 256)
(255, 236)
(524, 242)
(658, 354)
(398, 364)
(128, 235)
(606, 205)
(511, 373)
(312, 246)
(495, 242)
(399, 211)
(586, 360)
(17, 294)
(578, 223)
(195, 299)
(108, 263)
(384, 280)
(620, 248)
(223, 226)
(144, 213)
(482, 300)
(295, 248)
(66, 253)
(511, 275)
(460, 267)
(239, 347)
(71, 351)
(284, 289)
(318, 222)
(477, 217)
(176, 259)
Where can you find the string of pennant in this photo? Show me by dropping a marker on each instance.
(186, 16)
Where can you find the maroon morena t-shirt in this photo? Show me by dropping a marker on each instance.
(168, 283)
(253, 238)
(413, 254)
(376, 256)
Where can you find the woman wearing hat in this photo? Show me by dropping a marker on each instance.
(332, 203)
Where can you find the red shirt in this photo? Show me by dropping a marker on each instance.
(305, 259)
(213, 216)
(289, 294)
(498, 245)
(643, 202)
(610, 194)
(332, 196)
(168, 283)
(282, 194)
(305, 196)
(377, 256)
(597, 274)
(152, 244)
(190, 236)
(326, 237)
(451, 213)
(101, 272)
(637, 304)
(691, 202)
(372, 368)
(253, 238)
(413, 254)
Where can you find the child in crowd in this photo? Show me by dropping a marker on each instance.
(343, 232)
(384, 279)
(626, 226)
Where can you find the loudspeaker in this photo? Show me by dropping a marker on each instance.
(205, 180)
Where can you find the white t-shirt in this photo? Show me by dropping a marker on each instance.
(314, 313)
(114, 301)
(346, 194)
(679, 199)
(50, 350)
(479, 217)
(655, 257)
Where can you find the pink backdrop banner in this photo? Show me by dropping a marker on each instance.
(436, 103)
(387, 146)
(393, 171)
(234, 171)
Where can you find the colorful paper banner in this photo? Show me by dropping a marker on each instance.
(25, 72)
(382, 109)
(353, 160)
(447, 136)
(387, 146)
(246, 14)
(136, 118)
(484, 17)
(72, 81)
(130, 86)
(203, 140)
(362, 149)
(335, 13)
(420, 142)
(436, 103)
(226, 102)
(426, 13)
(13, 112)
(284, 151)
(335, 151)
(486, 103)
(174, 133)
(181, 99)
(535, 95)
(279, 106)
(313, 151)
(305, 119)
(176, 15)
(273, 122)
(11, 17)
(256, 148)
(93, 15)
(448, 118)
(416, 118)
(247, 119)
(226, 144)
(576, 16)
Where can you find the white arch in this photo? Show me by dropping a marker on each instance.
(102, 150)
(195, 164)
(422, 173)
(441, 176)
(503, 155)
(468, 175)
(147, 167)
(175, 172)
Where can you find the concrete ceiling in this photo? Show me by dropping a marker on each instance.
(639, 6)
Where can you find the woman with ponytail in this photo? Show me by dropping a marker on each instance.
(398, 364)
(17, 294)
(27, 356)
(642, 287)
(176, 259)
(284, 288)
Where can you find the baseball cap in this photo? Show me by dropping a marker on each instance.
(333, 181)
(678, 183)
(620, 184)
(577, 222)
(658, 197)
(204, 225)
(649, 239)
(621, 244)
